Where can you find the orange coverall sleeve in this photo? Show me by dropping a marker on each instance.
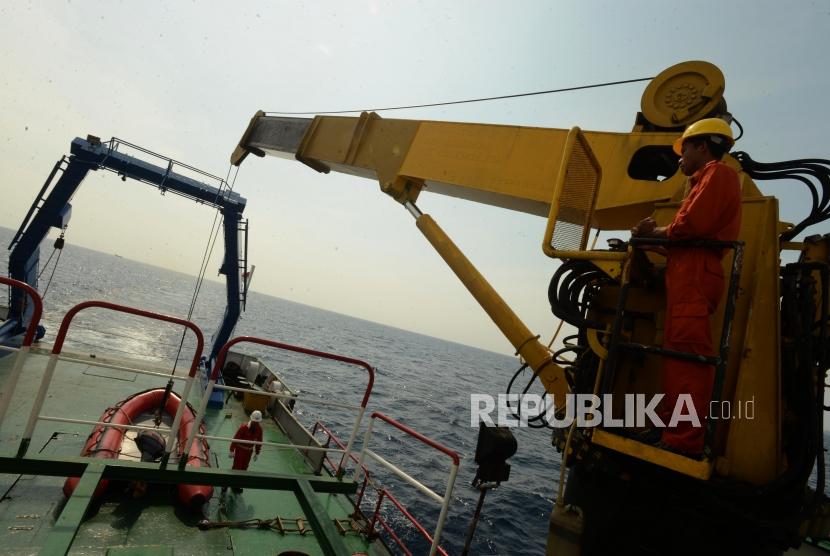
(701, 216)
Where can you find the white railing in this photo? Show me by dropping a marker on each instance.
(443, 500)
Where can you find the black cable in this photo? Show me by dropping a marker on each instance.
(532, 422)
(781, 503)
(557, 355)
(814, 173)
(740, 129)
(484, 99)
(571, 291)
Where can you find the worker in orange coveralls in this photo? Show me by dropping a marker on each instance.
(241, 453)
(694, 276)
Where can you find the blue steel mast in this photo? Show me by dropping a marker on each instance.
(53, 209)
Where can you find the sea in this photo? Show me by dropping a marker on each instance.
(423, 382)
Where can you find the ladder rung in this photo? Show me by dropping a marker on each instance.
(631, 346)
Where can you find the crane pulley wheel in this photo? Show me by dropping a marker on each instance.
(682, 94)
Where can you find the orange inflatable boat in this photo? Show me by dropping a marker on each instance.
(106, 442)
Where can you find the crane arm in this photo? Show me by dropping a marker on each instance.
(511, 167)
(387, 150)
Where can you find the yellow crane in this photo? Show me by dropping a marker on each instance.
(748, 493)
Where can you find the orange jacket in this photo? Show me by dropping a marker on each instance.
(246, 433)
(712, 210)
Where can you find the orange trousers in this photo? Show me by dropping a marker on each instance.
(694, 287)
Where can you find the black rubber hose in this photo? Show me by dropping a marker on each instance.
(801, 170)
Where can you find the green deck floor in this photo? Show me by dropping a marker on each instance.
(154, 524)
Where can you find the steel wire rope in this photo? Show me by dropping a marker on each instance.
(57, 261)
(46, 264)
(467, 101)
(52, 275)
(214, 234)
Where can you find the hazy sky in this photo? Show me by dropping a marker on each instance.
(184, 78)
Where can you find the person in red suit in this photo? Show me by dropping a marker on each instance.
(694, 275)
(242, 453)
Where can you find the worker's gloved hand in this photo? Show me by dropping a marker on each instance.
(230, 455)
(256, 456)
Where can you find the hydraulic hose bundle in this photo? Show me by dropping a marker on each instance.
(571, 292)
(805, 358)
(812, 172)
(572, 289)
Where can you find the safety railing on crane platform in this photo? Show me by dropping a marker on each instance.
(55, 356)
(719, 361)
(212, 385)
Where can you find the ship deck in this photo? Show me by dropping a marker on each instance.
(35, 516)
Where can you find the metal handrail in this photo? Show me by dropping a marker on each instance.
(336, 469)
(28, 339)
(295, 397)
(279, 445)
(63, 330)
(444, 500)
(274, 395)
(456, 459)
(220, 362)
(383, 492)
(67, 320)
(388, 527)
(220, 359)
(37, 313)
(332, 436)
(115, 141)
(102, 424)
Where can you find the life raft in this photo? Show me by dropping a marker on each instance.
(105, 442)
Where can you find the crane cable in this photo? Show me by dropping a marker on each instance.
(59, 248)
(451, 102)
(212, 236)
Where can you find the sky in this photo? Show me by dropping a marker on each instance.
(184, 78)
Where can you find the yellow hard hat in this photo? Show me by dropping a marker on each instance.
(707, 126)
